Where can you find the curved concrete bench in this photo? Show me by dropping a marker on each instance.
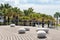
(12, 25)
(21, 30)
(43, 29)
(41, 34)
(27, 29)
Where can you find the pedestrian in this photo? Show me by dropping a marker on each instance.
(34, 22)
(39, 23)
(48, 23)
(42, 23)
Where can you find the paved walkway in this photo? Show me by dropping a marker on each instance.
(11, 33)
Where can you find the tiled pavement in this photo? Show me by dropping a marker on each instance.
(11, 33)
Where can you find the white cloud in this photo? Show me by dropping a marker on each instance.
(16, 1)
(24, 1)
(47, 9)
(43, 0)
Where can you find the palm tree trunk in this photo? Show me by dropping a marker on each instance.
(16, 20)
(4, 20)
(57, 21)
(8, 20)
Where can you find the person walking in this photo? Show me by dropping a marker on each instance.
(48, 23)
(34, 22)
(42, 23)
(38, 23)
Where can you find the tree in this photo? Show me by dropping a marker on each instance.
(7, 6)
(1, 6)
(1, 14)
(34, 15)
(27, 12)
(30, 10)
(8, 11)
(57, 15)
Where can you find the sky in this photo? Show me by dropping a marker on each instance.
(48, 7)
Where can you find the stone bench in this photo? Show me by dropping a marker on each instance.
(41, 34)
(12, 25)
(27, 29)
(43, 29)
(21, 30)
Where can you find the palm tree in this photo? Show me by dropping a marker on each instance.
(30, 10)
(57, 15)
(27, 12)
(16, 20)
(7, 6)
(1, 6)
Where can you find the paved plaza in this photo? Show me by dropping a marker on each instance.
(11, 33)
